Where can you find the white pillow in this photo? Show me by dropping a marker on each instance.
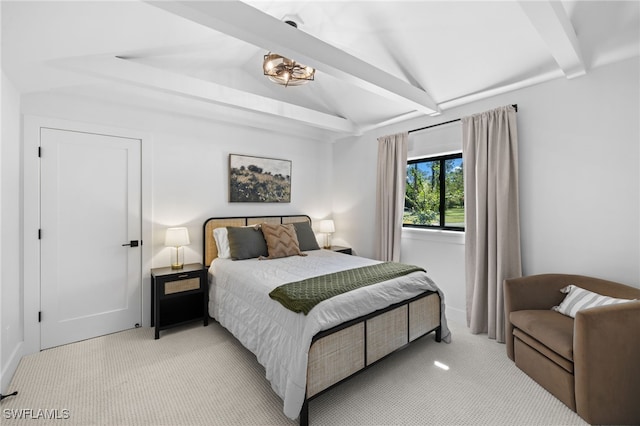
(222, 242)
(578, 299)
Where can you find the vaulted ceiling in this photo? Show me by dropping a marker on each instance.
(377, 62)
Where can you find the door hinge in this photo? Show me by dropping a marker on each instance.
(39, 316)
(39, 151)
(39, 234)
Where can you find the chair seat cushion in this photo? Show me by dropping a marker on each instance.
(550, 328)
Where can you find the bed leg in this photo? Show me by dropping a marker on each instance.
(304, 414)
(439, 334)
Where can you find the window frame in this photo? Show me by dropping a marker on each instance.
(442, 182)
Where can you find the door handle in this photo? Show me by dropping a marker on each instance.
(132, 243)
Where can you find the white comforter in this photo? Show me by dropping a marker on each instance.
(280, 339)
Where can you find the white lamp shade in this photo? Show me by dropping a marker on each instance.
(326, 226)
(177, 237)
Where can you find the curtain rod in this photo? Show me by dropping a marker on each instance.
(515, 106)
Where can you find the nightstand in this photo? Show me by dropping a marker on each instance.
(340, 249)
(178, 296)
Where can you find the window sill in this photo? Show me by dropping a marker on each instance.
(434, 235)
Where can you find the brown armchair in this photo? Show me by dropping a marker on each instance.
(592, 363)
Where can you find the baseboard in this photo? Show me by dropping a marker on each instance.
(8, 370)
(457, 316)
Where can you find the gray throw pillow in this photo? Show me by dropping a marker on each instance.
(246, 242)
(306, 237)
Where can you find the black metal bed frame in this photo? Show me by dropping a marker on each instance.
(304, 413)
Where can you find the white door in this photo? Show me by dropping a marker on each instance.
(90, 208)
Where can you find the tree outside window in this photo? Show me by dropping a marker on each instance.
(434, 195)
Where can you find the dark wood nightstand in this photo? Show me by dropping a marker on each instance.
(340, 249)
(178, 296)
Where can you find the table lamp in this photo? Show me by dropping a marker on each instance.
(177, 237)
(327, 227)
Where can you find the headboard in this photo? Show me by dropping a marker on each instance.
(210, 250)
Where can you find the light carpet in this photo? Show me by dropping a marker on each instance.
(197, 375)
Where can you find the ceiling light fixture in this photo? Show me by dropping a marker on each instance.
(285, 71)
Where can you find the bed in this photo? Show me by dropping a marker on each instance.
(305, 355)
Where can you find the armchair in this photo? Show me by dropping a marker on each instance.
(590, 363)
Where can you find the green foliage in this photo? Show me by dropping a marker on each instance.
(421, 217)
(422, 195)
(454, 216)
(454, 186)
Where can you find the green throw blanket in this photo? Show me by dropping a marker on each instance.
(302, 296)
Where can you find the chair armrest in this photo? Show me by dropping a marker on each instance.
(606, 356)
(531, 292)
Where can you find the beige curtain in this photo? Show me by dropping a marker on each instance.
(492, 230)
(392, 176)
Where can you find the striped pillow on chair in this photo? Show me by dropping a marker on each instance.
(578, 299)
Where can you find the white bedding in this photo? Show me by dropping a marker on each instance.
(239, 300)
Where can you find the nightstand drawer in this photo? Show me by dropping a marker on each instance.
(171, 287)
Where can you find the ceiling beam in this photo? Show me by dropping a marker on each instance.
(554, 26)
(253, 26)
(124, 70)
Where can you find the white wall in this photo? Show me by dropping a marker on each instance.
(191, 180)
(185, 168)
(580, 180)
(579, 183)
(11, 289)
(189, 165)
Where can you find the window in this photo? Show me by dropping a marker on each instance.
(434, 195)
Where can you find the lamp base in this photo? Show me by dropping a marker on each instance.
(177, 262)
(327, 241)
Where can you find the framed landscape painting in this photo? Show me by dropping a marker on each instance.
(259, 180)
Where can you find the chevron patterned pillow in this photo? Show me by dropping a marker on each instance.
(282, 240)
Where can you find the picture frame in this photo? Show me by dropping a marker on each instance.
(259, 179)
